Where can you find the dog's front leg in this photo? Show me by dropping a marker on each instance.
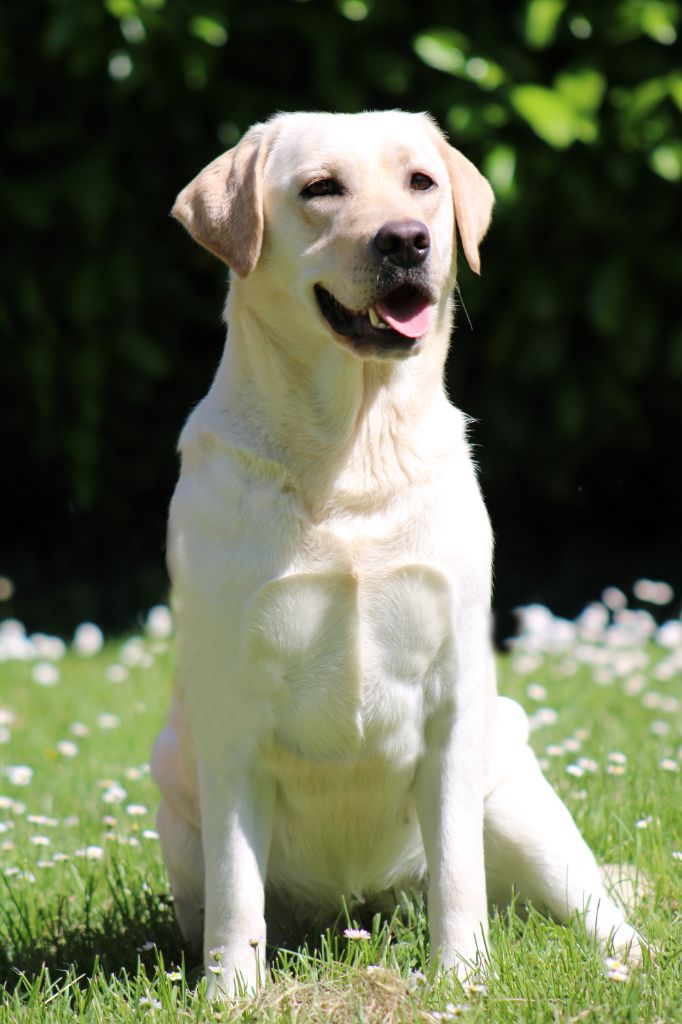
(450, 802)
(450, 807)
(236, 825)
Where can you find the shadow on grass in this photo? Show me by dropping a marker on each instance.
(121, 931)
(113, 934)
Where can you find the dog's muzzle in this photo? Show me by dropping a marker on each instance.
(399, 318)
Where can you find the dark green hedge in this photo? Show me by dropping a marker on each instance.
(110, 317)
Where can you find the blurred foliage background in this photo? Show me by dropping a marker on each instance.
(110, 317)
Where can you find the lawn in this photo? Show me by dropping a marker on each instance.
(86, 923)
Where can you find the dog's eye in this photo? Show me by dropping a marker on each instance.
(322, 187)
(421, 182)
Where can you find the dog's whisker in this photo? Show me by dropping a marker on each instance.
(461, 302)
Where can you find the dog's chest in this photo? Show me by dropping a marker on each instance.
(353, 661)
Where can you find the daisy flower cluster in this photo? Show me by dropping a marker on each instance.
(614, 644)
(32, 841)
(88, 640)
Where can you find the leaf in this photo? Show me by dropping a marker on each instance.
(675, 87)
(542, 20)
(666, 161)
(584, 89)
(121, 8)
(645, 97)
(548, 113)
(500, 167)
(442, 49)
(446, 50)
(208, 29)
(354, 10)
(657, 20)
(484, 72)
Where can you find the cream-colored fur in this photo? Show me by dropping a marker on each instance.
(336, 730)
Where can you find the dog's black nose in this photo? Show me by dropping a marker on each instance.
(405, 242)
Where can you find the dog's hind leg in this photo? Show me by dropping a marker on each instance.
(180, 833)
(533, 844)
(183, 856)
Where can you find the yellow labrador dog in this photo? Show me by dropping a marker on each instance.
(336, 730)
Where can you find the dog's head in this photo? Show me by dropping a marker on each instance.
(344, 221)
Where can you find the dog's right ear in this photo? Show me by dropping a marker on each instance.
(222, 208)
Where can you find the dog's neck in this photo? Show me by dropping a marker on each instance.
(346, 431)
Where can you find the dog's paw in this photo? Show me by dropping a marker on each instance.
(228, 978)
(626, 952)
(226, 986)
(470, 971)
(628, 946)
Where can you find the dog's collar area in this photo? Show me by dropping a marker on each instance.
(397, 321)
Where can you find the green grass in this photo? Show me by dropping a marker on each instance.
(91, 938)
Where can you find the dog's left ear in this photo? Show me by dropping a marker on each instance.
(222, 208)
(473, 198)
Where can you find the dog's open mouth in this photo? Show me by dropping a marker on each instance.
(400, 317)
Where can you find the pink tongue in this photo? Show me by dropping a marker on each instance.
(409, 323)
